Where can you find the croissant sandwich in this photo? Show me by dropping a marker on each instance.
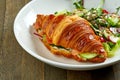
(70, 36)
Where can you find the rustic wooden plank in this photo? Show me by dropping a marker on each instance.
(53, 73)
(32, 69)
(16, 63)
(2, 15)
(116, 69)
(103, 74)
(78, 75)
(11, 59)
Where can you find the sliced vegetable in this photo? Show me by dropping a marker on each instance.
(114, 39)
(110, 36)
(88, 55)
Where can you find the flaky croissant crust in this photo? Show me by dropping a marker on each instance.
(71, 32)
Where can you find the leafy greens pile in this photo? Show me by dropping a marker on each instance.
(105, 24)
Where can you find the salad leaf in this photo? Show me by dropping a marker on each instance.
(111, 48)
(118, 9)
(79, 4)
(112, 20)
(101, 21)
(97, 31)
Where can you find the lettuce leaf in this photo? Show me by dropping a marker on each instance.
(111, 49)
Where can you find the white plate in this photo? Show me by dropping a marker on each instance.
(23, 31)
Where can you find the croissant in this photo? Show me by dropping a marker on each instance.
(70, 36)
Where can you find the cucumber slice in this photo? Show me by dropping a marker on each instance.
(88, 55)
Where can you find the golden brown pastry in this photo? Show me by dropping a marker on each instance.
(70, 36)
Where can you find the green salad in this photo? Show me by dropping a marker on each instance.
(105, 24)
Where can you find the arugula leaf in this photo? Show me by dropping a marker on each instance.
(79, 4)
(118, 9)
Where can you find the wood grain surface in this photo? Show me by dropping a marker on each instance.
(17, 64)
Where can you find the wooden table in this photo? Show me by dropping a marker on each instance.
(17, 64)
